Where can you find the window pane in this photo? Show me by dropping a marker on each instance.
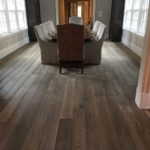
(21, 18)
(128, 4)
(79, 11)
(129, 15)
(136, 4)
(145, 4)
(12, 19)
(128, 20)
(11, 4)
(2, 4)
(124, 20)
(143, 22)
(20, 5)
(135, 20)
(3, 25)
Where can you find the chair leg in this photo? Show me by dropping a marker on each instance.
(60, 67)
(82, 67)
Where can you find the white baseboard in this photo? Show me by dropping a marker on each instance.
(138, 97)
(142, 99)
(133, 47)
(8, 50)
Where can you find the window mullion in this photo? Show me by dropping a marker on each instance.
(16, 14)
(131, 15)
(140, 16)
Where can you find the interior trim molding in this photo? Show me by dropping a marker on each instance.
(132, 46)
(138, 97)
(143, 100)
(145, 103)
(8, 50)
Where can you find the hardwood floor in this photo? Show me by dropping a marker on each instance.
(43, 110)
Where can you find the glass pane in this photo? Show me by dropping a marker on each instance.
(11, 4)
(127, 19)
(2, 4)
(128, 23)
(143, 22)
(136, 4)
(135, 15)
(12, 20)
(128, 4)
(134, 24)
(20, 4)
(21, 19)
(124, 20)
(79, 11)
(3, 25)
(145, 4)
(129, 15)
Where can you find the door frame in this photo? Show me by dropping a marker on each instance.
(57, 10)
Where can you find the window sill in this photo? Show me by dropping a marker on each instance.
(11, 33)
(129, 30)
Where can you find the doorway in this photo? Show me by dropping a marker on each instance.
(79, 8)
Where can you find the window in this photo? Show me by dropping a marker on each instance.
(12, 16)
(135, 15)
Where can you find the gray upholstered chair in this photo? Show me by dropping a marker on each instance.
(48, 47)
(93, 47)
(46, 33)
(76, 20)
(95, 28)
(51, 28)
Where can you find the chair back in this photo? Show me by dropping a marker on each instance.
(76, 20)
(45, 30)
(51, 27)
(96, 26)
(101, 31)
(70, 42)
(39, 32)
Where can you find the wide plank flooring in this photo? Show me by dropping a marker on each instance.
(43, 110)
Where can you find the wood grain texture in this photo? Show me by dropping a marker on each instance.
(43, 110)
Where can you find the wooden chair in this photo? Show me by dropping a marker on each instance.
(70, 44)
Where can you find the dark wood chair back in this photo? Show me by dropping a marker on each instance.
(70, 43)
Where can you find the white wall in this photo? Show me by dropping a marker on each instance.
(48, 10)
(133, 41)
(103, 12)
(12, 42)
